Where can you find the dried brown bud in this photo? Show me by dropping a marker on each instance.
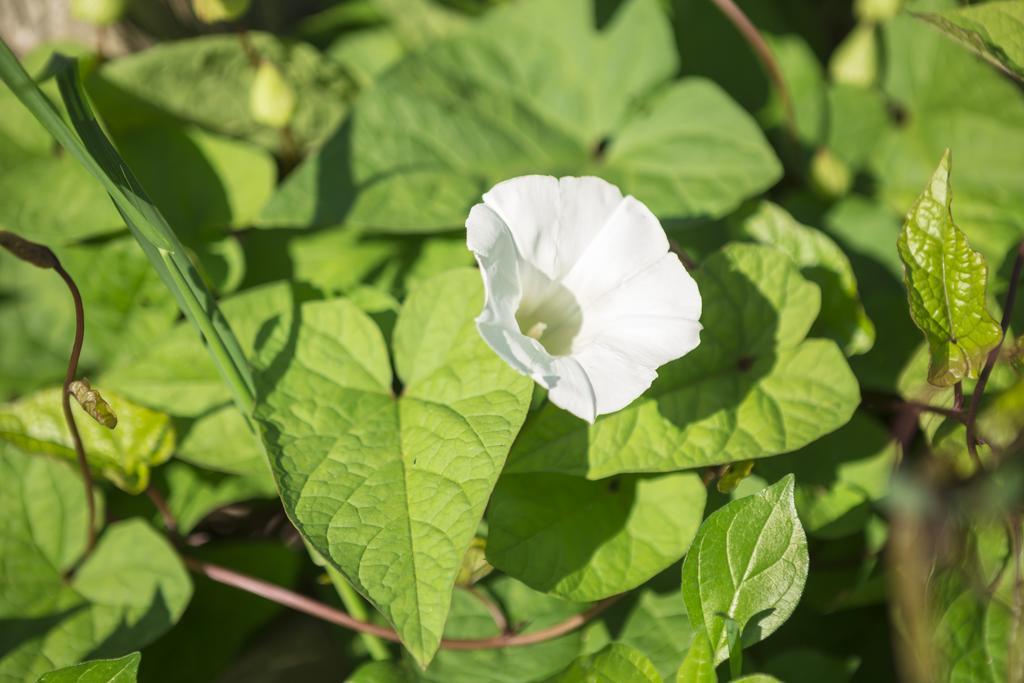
(34, 253)
(93, 403)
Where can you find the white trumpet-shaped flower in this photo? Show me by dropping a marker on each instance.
(582, 293)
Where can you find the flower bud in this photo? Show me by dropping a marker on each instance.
(36, 254)
(830, 177)
(271, 100)
(92, 403)
(99, 12)
(855, 61)
(733, 475)
(876, 10)
(214, 11)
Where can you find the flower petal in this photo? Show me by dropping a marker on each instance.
(573, 390)
(651, 318)
(616, 379)
(553, 221)
(630, 241)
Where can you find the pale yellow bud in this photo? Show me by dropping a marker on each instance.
(99, 12)
(271, 99)
(214, 11)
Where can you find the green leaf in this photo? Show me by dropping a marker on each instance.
(953, 101)
(992, 29)
(390, 491)
(84, 209)
(192, 494)
(857, 121)
(658, 626)
(142, 439)
(945, 282)
(176, 374)
(522, 605)
(222, 441)
(839, 478)
(842, 317)
(504, 98)
(127, 310)
(123, 670)
(753, 388)
(748, 563)
(567, 536)
(757, 678)
(614, 664)
(221, 619)
(128, 592)
(207, 80)
(219, 183)
(699, 664)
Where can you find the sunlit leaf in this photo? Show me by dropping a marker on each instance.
(755, 386)
(142, 439)
(390, 491)
(748, 564)
(946, 282)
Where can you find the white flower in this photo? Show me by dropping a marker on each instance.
(582, 293)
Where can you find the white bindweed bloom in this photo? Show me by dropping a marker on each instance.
(582, 293)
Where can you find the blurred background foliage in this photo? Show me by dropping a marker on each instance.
(273, 213)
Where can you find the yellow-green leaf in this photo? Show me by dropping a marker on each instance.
(945, 282)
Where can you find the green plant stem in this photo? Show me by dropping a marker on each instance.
(993, 356)
(88, 144)
(355, 606)
(223, 357)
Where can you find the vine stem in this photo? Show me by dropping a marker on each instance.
(993, 356)
(69, 417)
(324, 612)
(41, 256)
(760, 47)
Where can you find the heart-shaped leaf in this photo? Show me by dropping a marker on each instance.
(390, 490)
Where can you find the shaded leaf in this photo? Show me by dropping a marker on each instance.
(992, 29)
(568, 536)
(128, 592)
(613, 664)
(504, 98)
(953, 101)
(207, 80)
(522, 605)
(821, 261)
(699, 664)
(658, 626)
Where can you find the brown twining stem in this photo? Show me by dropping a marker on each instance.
(251, 53)
(69, 377)
(757, 43)
(500, 620)
(894, 402)
(993, 356)
(160, 503)
(43, 257)
(324, 612)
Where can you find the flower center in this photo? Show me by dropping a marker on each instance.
(549, 313)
